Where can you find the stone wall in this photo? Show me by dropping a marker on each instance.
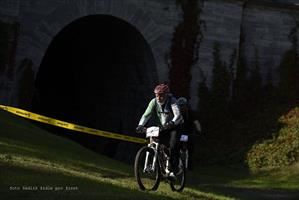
(266, 28)
(42, 20)
(267, 31)
(222, 24)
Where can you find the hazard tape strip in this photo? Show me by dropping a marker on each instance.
(70, 126)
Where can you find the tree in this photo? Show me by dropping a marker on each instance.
(240, 83)
(203, 100)
(255, 83)
(184, 47)
(289, 71)
(220, 89)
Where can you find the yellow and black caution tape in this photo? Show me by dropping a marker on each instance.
(67, 125)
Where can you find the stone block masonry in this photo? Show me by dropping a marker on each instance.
(266, 28)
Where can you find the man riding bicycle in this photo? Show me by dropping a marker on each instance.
(191, 127)
(165, 107)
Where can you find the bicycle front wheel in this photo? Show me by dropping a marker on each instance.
(146, 169)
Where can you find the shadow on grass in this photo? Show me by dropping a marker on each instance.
(218, 180)
(32, 183)
(105, 172)
(72, 160)
(251, 193)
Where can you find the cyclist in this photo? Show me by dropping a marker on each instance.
(165, 107)
(191, 127)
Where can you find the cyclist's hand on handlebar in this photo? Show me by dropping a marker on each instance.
(140, 129)
(169, 125)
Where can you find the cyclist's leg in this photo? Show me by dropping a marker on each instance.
(164, 139)
(190, 152)
(174, 149)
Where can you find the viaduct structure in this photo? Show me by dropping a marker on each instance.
(95, 62)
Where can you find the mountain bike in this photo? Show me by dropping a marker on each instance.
(152, 163)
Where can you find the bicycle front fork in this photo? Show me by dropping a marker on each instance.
(184, 157)
(147, 165)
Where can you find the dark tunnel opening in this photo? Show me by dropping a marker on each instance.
(98, 72)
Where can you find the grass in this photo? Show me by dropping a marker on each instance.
(285, 178)
(38, 165)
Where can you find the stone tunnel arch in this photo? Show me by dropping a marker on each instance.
(94, 73)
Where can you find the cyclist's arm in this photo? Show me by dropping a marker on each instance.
(197, 125)
(177, 117)
(148, 113)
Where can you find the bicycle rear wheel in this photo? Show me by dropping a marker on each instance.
(147, 176)
(178, 183)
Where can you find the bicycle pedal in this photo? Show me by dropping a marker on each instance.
(171, 175)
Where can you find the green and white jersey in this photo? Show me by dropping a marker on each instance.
(169, 111)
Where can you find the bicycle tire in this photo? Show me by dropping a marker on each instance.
(178, 184)
(147, 183)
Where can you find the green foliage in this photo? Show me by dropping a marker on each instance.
(281, 150)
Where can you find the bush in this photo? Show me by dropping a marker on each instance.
(282, 149)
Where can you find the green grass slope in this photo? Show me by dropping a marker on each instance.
(38, 165)
(35, 164)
